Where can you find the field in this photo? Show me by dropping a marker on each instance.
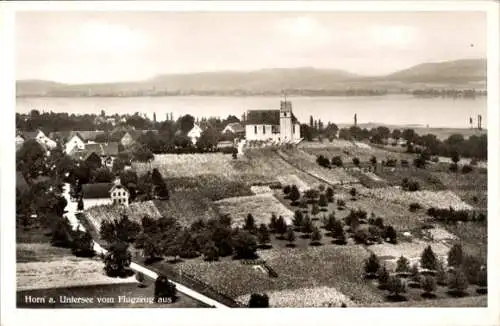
(292, 179)
(304, 298)
(347, 151)
(426, 179)
(306, 162)
(333, 267)
(473, 237)
(438, 199)
(135, 212)
(42, 267)
(411, 250)
(188, 165)
(142, 297)
(260, 206)
(471, 187)
(186, 207)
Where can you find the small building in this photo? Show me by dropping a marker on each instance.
(75, 143)
(234, 128)
(100, 194)
(194, 134)
(105, 154)
(38, 135)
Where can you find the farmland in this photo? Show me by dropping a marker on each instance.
(332, 267)
(260, 206)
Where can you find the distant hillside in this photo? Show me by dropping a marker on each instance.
(297, 81)
(459, 71)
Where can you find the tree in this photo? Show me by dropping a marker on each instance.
(316, 237)
(441, 275)
(210, 252)
(151, 248)
(258, 301)
(121, 229)
(315, 209)
(353, 192)
(455, 256)
(143, 154)
(403, 265)
(428, 259)
(372, 266)
(457, 282)
(337, 161)
(103, 175)
(390, 233)
(209, 139)
(117, 260)
(482, 280)
(290, 237)
(61, 233)
(165, 291)
(323, 202)
(415, 274)
(80, 204)
(250, 224)
(298, 218)
(455, 158)
(307, 226)
(329, 194)
(245, 245)
(356, 161)
(30, 160)
(264, 237)
(373, 160)
(186, 123)
(281, 226)
(287, 189)
(273, 223)
(383, 277)
(396, 286)
(83, 245)
(429, 286)
(329, 223)
(294, 194)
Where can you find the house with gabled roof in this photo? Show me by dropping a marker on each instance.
(107, 153)
(234, 128)
(37, 135)
(105, 193)
(273, 125)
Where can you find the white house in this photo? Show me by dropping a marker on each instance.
(274, 125)
(235, 128)
(100, 194)
(39, 136)
(75, 143)
(194, 134)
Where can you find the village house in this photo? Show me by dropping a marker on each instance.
(234, 128)
(194, 134)
(100, 194)
(105, 154)
(38, 135)
(273, 125)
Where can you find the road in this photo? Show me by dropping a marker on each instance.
(70, 214)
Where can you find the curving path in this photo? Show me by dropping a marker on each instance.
(69, 213)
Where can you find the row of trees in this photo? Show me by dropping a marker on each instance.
(462, 271)
(450, 215)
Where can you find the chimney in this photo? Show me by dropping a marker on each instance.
(117, 181)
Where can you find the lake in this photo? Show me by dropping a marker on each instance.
(388, 109)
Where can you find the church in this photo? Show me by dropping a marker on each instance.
(273, 125)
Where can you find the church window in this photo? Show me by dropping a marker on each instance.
(284, 114)
(293, 128)
(255, 129)
(263, 130)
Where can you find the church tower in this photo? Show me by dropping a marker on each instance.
(286, 132)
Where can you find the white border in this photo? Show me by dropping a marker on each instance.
(378, 316)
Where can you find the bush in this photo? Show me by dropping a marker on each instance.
(323, 202)
(165, 291)
(353, 192)
(410, 185)
(329, 194)
(457, 283)
(429, 286)
(383, 278)
(316, 237)
(337, 161)
(298, 219)
(250, 224)
(356, 161)
(117, 260)
(471, 266)
(373, 160)
(396, 287)
(210, 252)
(403, 265)
(390, 234)
(455, 256)
(372, 266)
(290, 237)
(453, 167)
(323, 161)
(441, 275)
(428, 259)
(482, 280)
(294, 194)
(466, 169)
(83, 244)
(287, 189)
(414, 207)
(245, 245)
(258, 301)
(361, 236)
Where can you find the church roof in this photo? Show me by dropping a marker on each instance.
(265, 117)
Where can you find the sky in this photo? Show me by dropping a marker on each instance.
(90, 47)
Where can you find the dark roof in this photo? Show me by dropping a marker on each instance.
(109, 149)
(96, 190)
(85, 135)
(236, 126)
(267, 117)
